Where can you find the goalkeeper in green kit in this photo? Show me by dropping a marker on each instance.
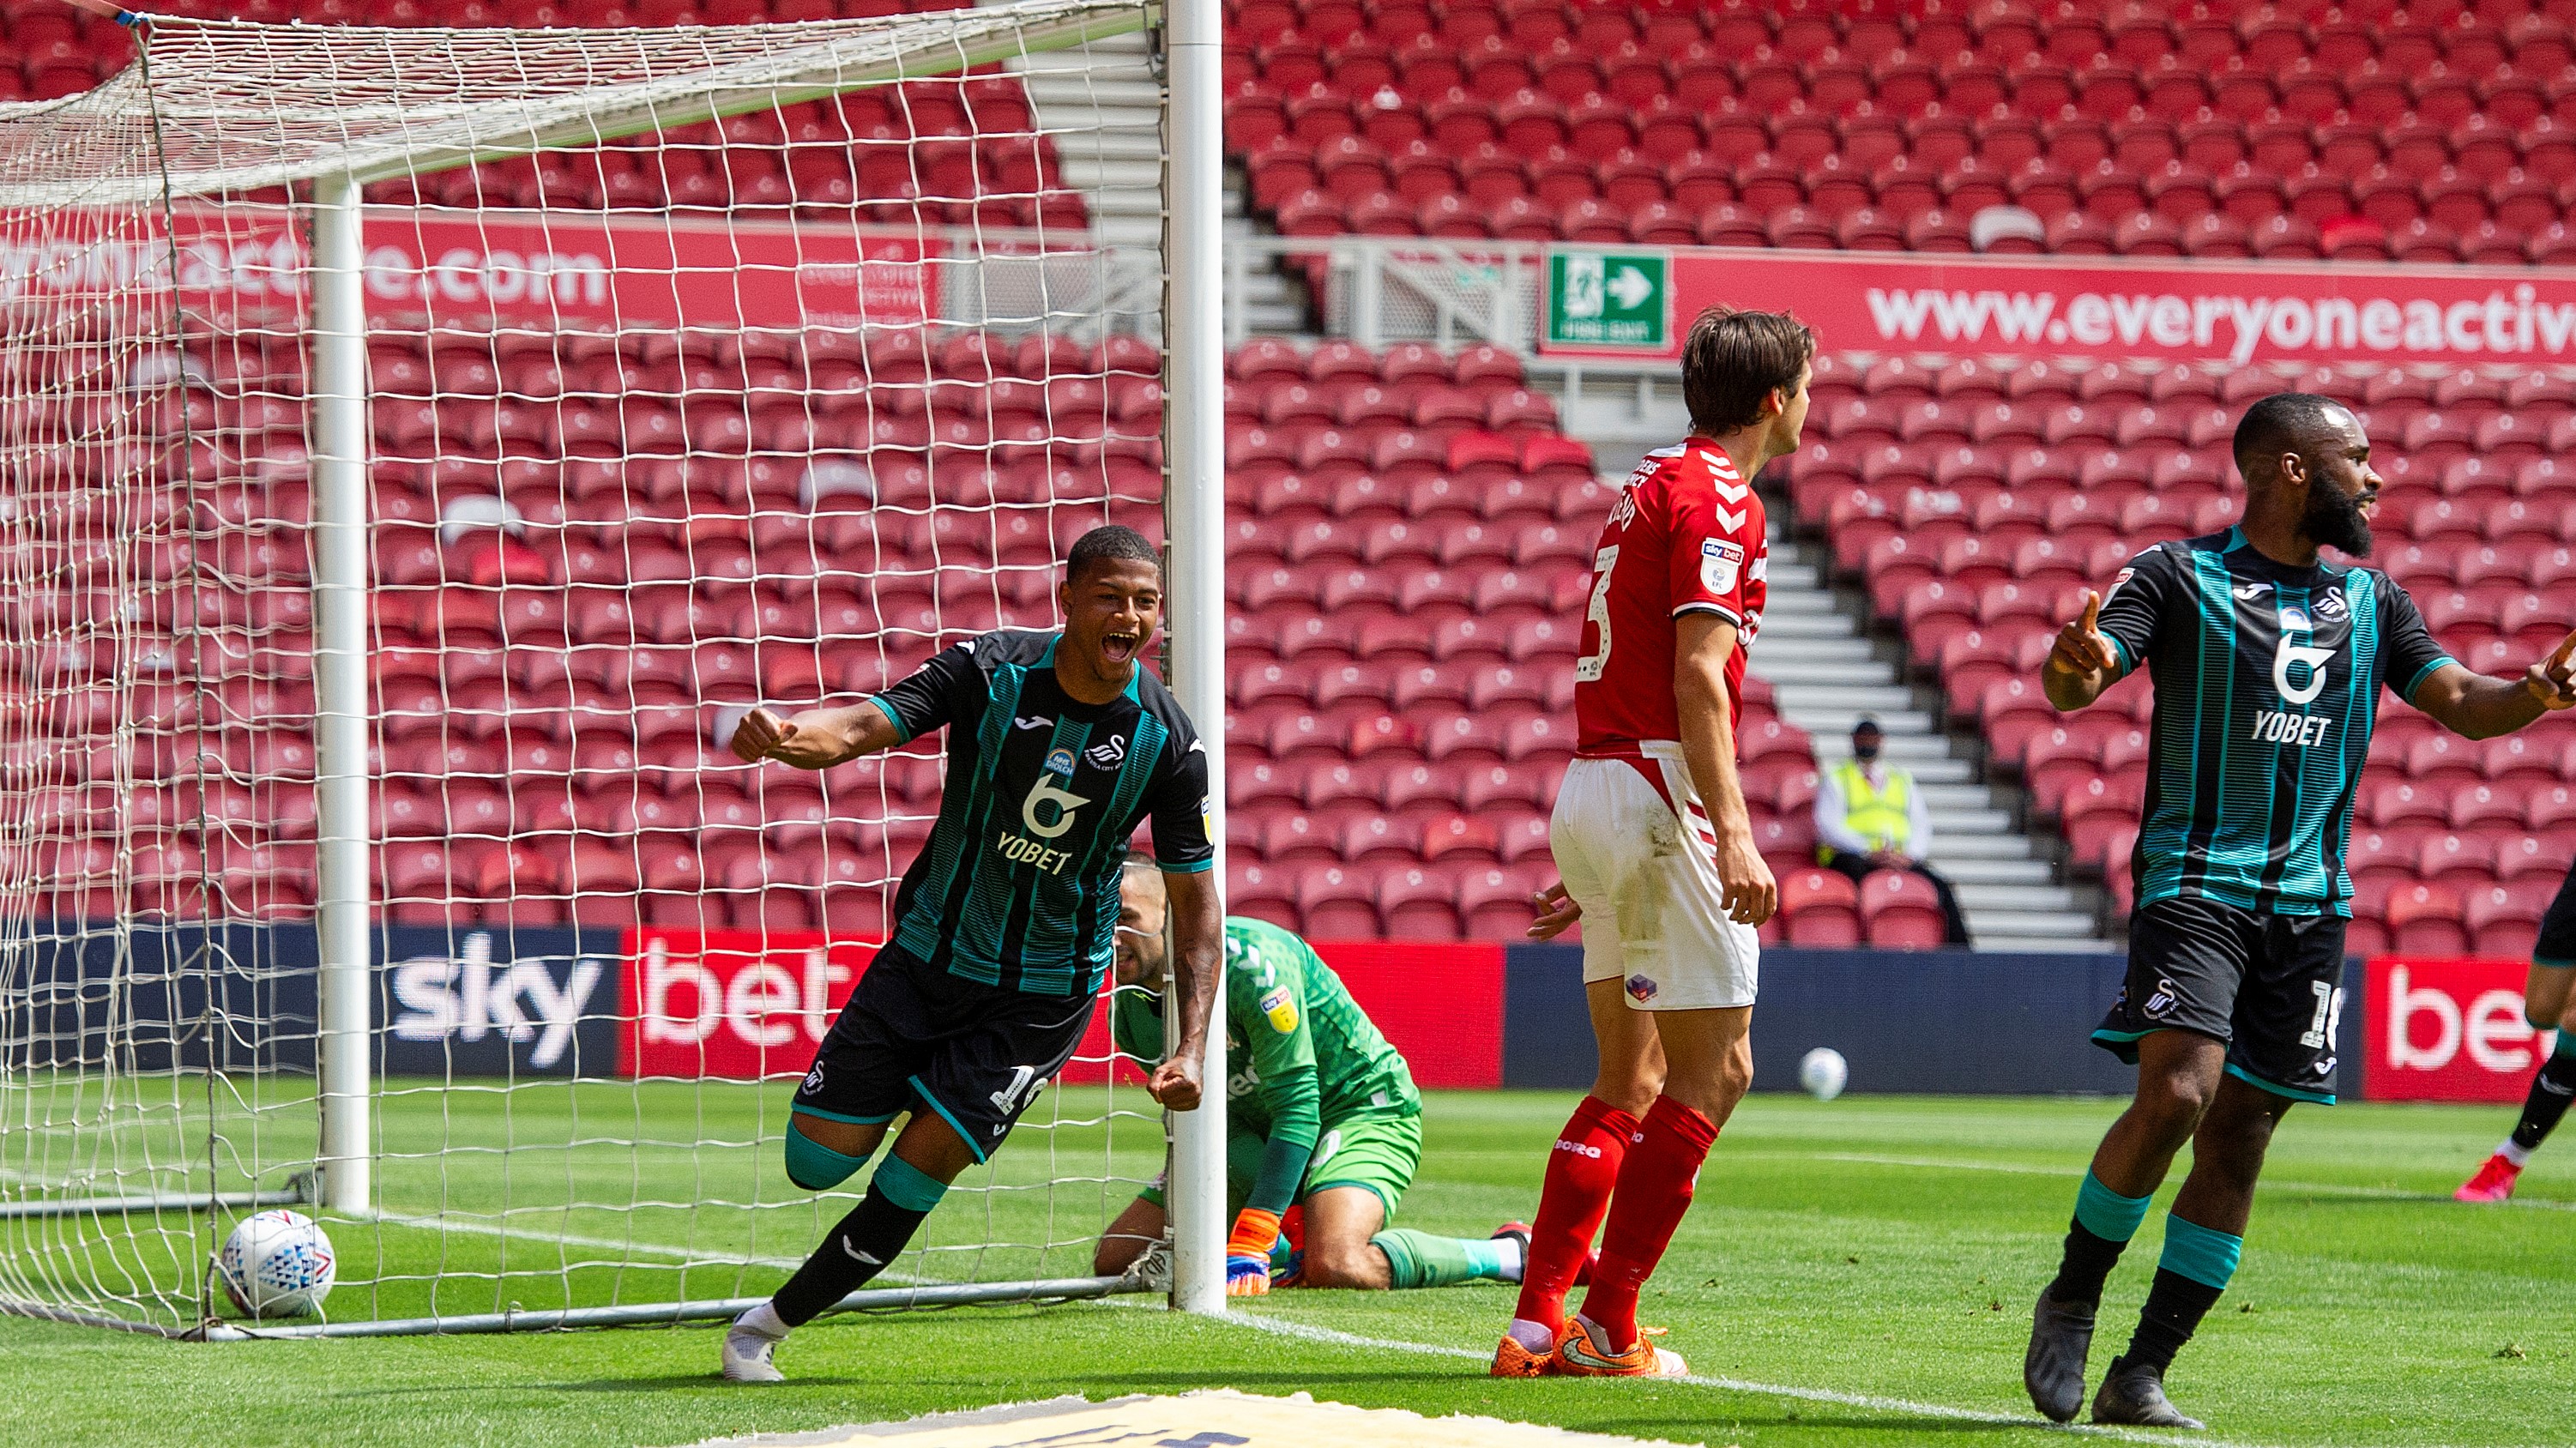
(1324, 1128)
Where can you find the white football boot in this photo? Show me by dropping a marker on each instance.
(747, 1349)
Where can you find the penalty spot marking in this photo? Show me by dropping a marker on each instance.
(1217, 1418)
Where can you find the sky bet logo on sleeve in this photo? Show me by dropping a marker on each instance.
(1281, 1008)
(1718, 562)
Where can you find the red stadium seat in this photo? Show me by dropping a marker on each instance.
(1333, 903)
(1822, 909)
(1900, 910)
(1418, 902)
(2501, 921)
(2426, 919)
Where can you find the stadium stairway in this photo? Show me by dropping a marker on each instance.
(1827, 672)
(1103, 103)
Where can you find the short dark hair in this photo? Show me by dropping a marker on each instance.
(1109, 543)
(1732, 360)
(2284, 422)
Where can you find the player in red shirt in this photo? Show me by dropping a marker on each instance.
(1653, 842)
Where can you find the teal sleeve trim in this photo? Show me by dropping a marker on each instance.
(907, 1186)
(2107, 1034)
(814, 1166)
(2194, 1251)
(888, 709)
(1201, 868)
(2127, 664)
(2552, 963)
(1283, 1166)
(948, 1116)
(2321, 1098)
(2107, 1214)
(2426, 672)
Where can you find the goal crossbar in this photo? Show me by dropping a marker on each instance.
(422, 112)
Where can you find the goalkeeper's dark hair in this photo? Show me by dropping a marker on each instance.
(2285, 422)
(1732, 361)
(1109, 543)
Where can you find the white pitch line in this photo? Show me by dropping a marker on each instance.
(1737, 1385)
(689, 1256)
(686, 1256)
(2323, 1189)
(1333, 1336)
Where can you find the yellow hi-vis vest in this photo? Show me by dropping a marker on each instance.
(1876, 815)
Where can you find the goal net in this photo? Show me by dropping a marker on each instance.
(416, 446)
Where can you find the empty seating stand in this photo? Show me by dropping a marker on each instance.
(2434, 131)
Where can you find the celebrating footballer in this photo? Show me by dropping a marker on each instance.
(1059, 745)
(2268, 660)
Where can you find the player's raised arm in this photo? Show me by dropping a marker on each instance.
(1701, 643)
(814, 738)
(1198, 932)
(948, 689)
(2481, 706)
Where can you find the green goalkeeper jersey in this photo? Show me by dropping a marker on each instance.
(1299, 1053)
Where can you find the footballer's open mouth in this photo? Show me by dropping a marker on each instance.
(2369, 504)
(1119, 646)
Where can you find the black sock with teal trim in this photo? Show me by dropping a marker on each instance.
(2084, 1267)
(2100, 1231)
(2197, 1265)
(2551, 1091)
(2175, 1306)
(872, 1235)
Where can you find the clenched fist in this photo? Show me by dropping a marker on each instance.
(760, 734)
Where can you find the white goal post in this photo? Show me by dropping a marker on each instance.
(416, 445)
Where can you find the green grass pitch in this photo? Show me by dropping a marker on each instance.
(1857, 1273)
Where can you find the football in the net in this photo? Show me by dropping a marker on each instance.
(277, 1264)
(1823, 1073)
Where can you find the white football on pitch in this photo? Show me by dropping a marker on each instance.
(1823, 1073)
(277, 1264)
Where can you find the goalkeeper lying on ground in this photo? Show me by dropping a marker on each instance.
(1322, 1121)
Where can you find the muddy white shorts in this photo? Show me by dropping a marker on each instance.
(1642, 862)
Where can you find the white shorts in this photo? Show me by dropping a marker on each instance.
(1647, 882)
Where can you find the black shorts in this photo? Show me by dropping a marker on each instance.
(2557, 943)
(2270, 986)
(914, 1037)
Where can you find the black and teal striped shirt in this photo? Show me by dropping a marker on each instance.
(1018, 884)
(2267, 678)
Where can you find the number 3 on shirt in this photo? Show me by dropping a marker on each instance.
(1587, 670)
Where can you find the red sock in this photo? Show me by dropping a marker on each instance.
(1581, 1170)
(1654, 1192)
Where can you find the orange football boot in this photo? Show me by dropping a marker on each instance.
(1511, 1360)
(1582, 1354)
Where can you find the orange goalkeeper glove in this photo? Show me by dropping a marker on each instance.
(1247, 1253)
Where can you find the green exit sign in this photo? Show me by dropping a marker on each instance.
(1609, 299)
